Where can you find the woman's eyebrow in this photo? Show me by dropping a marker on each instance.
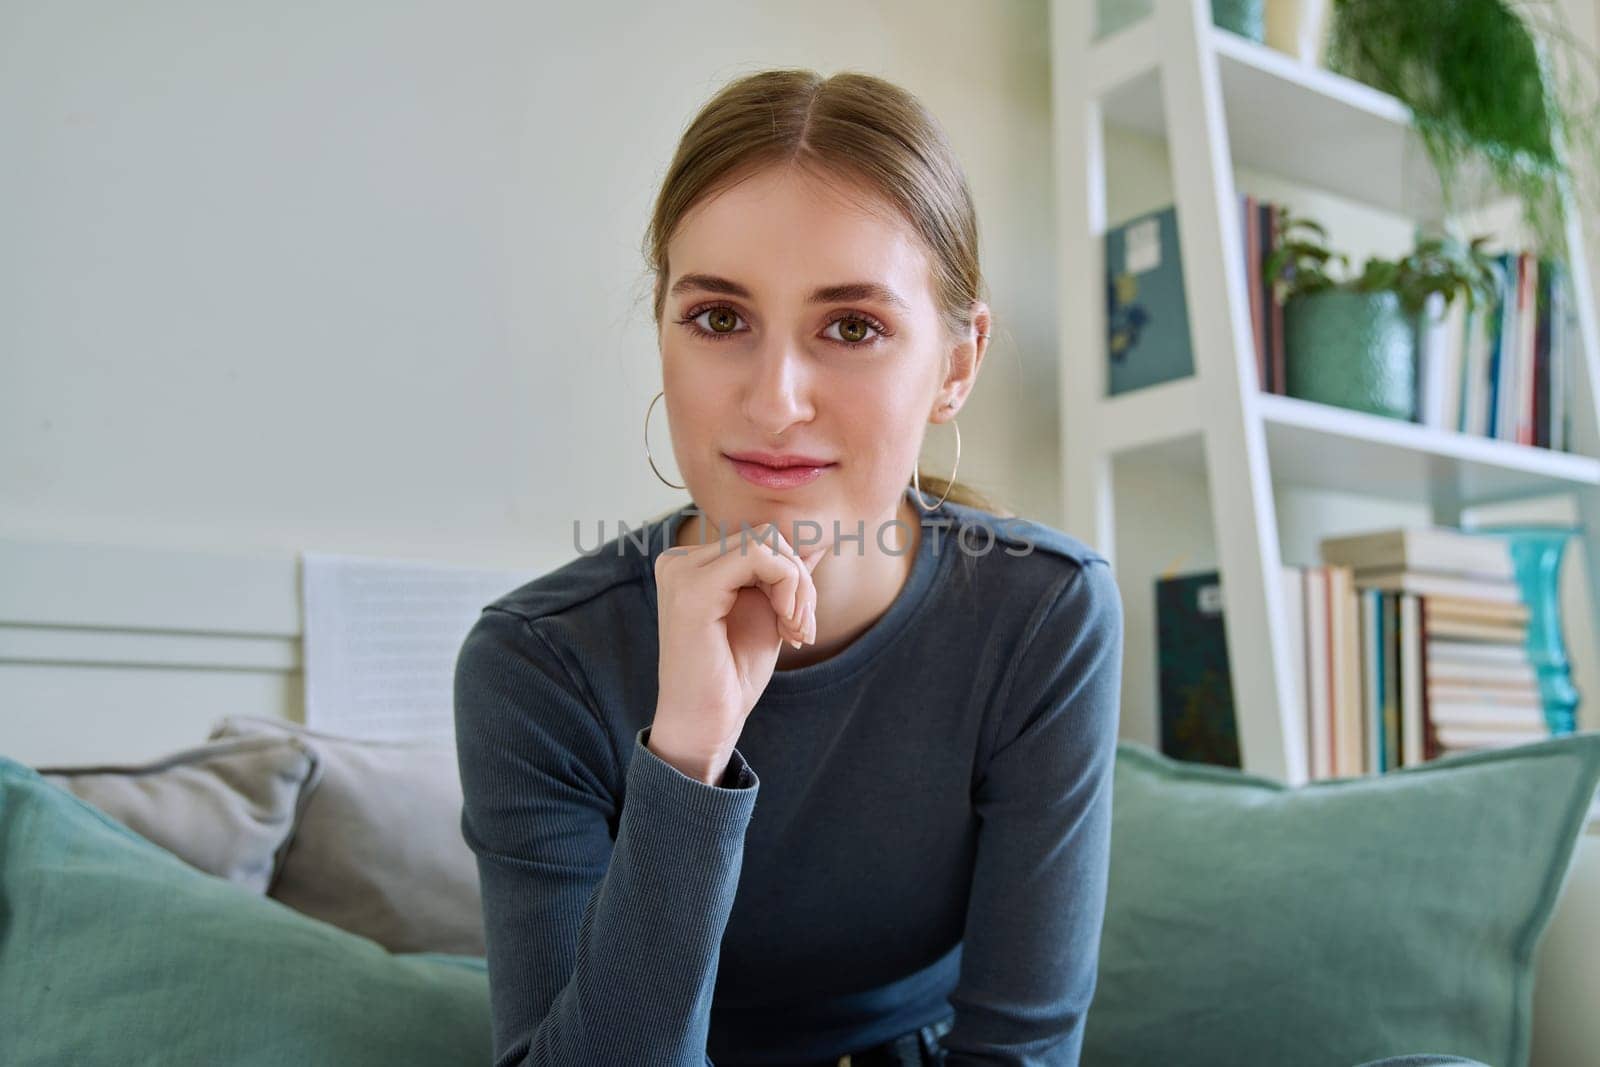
(829, 294)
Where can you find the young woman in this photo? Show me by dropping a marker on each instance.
(923, 694)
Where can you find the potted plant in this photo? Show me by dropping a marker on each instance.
(1501, 84)
(1244, 17)
(1247, 18)
(1351, 339)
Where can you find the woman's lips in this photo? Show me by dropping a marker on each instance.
(778, 477)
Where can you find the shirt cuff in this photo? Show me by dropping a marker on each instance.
(727, 805)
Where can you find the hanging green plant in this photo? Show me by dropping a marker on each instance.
(1479, 79)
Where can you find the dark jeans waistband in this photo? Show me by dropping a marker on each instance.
(919, 1048)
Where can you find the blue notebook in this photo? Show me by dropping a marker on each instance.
(1147, 319)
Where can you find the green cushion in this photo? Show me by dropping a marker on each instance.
(1335, 923)
(112, 950)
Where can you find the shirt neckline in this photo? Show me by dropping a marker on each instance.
(925, 569)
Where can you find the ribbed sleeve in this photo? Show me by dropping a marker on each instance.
(601, 949)
(1032, 941)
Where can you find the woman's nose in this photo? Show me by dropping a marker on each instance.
(778, 394)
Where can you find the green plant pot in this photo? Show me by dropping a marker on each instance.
(1352, 350)
(1243, 17)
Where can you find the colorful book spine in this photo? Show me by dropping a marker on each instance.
(1540, 415)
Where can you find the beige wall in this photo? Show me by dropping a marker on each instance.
(366, 277)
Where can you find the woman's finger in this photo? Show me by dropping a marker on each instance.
(757, 562)
(805, 592)
(707, 552)
(811, 562)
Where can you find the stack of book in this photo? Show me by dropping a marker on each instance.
(1444, 659)
(1406, 644)
(1502, 370)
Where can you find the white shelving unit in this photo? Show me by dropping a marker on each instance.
(1220, 100)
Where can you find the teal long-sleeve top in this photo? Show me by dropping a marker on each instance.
(916, 827)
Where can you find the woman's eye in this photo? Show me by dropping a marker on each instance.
(720, 322)
(856, 331)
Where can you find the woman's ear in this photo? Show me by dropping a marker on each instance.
(966, 358)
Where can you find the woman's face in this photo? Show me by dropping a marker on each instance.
(799, 321)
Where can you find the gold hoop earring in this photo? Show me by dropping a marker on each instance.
(916, 475)
(648, 457)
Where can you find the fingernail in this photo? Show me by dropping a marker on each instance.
(794, 644)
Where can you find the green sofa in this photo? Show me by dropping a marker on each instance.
(1387, 920)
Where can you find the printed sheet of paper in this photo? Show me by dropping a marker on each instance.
(381, 639)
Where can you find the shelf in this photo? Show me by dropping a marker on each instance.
(1151, 415)
(1286, 118)
(1324, 447)
(1224, 104)
(1333, 448)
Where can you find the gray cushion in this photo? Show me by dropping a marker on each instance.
(227, 807)
(378, 850)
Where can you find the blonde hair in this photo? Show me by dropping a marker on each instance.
(849, 126)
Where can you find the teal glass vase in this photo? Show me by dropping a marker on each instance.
(1536, 554)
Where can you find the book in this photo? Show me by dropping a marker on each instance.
(1563, 346)
(1147, 317)
(1488, 610)
(1491, 718)
(1447, 401)
(1197, 720)
(1372, 676)
(1540, 407)
(1528, 349)
(1319, 708)
(1346, 671)
(1467, 737)
(1466, 672)
(1294, 610)
(1497, 330)
(1427, 584)
(1438, 549)
(1430, 741)
(1479, 344)
(1474, 651)
(1471, 319)
(1411, 660)
(1485, 696)
(1432, 356)
(1277, 373)
(1448, 627)
(1389, 606)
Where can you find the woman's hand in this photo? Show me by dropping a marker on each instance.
(725, 609)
